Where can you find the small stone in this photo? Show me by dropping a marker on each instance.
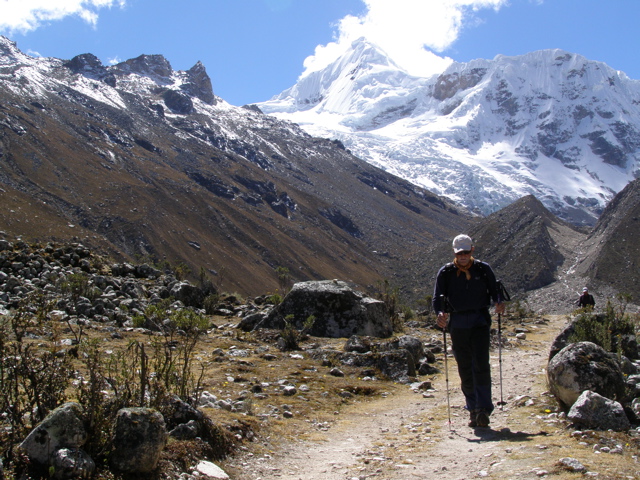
(211, 470)
(289, 390)
(572, 464)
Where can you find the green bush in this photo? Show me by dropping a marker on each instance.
(290, 336)
(605, 329)
(34, 377)
(275, 299)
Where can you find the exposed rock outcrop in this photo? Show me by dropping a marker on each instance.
(338, 311)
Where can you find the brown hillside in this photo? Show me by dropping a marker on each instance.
(611, 253)
(219, 188)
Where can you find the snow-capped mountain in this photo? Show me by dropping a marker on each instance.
(483, 133)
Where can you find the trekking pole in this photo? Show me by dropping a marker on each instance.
(446, 363)
(446, 374)
(503, 295)
(501, 402)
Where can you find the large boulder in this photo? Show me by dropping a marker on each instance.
(139, 437)
(62, 428)
(596, 412)
(339, 311)
(584, 366)
(188, 294)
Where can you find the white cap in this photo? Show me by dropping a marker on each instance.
(585, 289)
(462, 242)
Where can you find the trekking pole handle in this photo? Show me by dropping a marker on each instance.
(445, 308)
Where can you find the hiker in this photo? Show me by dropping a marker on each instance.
(586, 299)
(463, 292)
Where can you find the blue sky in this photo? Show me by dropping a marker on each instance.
(254, 49)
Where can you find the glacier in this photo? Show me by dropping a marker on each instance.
(483, 133)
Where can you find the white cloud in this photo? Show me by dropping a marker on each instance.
(26, 15)
(409, 31)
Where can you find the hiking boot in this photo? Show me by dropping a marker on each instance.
(473, 423)
(482, 419)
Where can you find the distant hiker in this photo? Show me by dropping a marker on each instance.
(586, 299)
(462, 295)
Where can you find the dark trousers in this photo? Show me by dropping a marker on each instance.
(471, 351)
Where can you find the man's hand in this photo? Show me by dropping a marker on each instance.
(500, 308)
(442, 319)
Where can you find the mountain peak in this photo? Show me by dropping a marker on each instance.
(366, 55)
(10, 53)
(154, 66)
(7, 47)
(345, 85)
(199, 84)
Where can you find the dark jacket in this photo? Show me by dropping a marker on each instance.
(585, 300)
(465, 295)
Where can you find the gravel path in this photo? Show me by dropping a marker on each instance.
(408, 435)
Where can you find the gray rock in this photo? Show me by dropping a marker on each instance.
(289, 390)
(185, 431)
(425, 368)
(628, 367)
(70, 463)
(594, 411)
(412, 345)
(138, 440)
(250, 322)
(572, 465)
(211, 470)
(635, 407)
(188, 294)
(147, 271)
(181, 412)
(357, 344)
(339, 311)
(62, 428)
(396, 365)
(584, 366)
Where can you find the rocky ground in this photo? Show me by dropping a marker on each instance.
(298, 416)
(407, 434)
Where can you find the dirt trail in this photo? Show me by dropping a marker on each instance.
(408, 436)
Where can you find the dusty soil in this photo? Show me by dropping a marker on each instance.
(407, 433)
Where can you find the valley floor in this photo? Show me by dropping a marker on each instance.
(407, 434)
